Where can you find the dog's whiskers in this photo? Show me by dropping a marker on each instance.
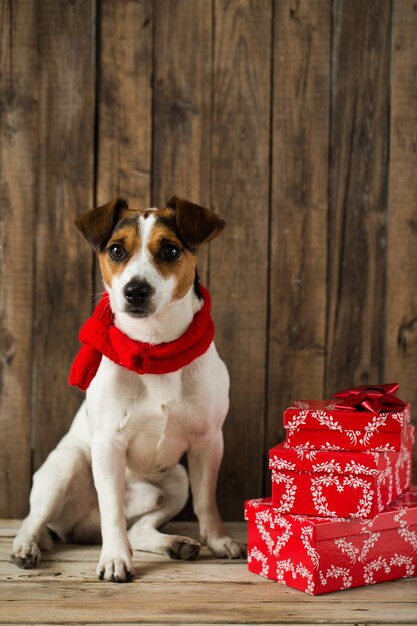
(107, 307)
(96, 297)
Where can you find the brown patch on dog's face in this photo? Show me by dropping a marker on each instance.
(123, 244)
(163, 244)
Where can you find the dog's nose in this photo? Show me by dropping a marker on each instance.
(136, 291)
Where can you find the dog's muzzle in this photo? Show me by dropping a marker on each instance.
(138, 295)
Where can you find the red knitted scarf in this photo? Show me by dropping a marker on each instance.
(99, 336)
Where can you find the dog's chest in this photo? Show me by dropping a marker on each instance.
(159, 417)
(161, 422)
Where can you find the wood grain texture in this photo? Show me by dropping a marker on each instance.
(201, 622)
(358, 193)
(165, 603)
(65, 165)
(274, 114)
(18, 184)
(239, 258)
(217, 603)
(125, 101)
(182, 100)
(182, 104)
(298, 231)
(401, 300)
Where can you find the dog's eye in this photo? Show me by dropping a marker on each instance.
(116, 252)
(170, 252)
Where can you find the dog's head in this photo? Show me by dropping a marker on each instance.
(148, 258)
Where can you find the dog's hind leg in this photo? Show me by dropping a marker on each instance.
(144, 534)
(49, 495)
(141, 498)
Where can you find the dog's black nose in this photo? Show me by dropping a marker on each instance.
(137, 291)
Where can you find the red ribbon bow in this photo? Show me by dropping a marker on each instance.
(373, 398)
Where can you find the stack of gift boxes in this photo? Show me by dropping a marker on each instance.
(342, 512)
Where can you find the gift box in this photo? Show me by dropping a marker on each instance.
(318, 555)
(338, 483)
(361, 418)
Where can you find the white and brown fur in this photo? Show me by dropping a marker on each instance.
(115, 476)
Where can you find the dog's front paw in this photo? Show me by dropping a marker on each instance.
(25, 553)
(226, 548)
(115, 568)
(182, 548)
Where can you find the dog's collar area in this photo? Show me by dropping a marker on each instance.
(100, 336)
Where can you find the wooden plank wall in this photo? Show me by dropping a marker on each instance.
(296, 120)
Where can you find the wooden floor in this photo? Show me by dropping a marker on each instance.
(64, 590)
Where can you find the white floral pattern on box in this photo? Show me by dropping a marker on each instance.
(319, 425)
(339, 484)
(344, 554)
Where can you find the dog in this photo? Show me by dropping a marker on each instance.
(115, 477)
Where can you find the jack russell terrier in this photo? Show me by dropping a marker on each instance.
(156, 388)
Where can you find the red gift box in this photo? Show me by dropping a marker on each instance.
(338, 484)
(318, 424)
(318, 555)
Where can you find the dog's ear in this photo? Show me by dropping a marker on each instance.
(97, 224)
(195, 224)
